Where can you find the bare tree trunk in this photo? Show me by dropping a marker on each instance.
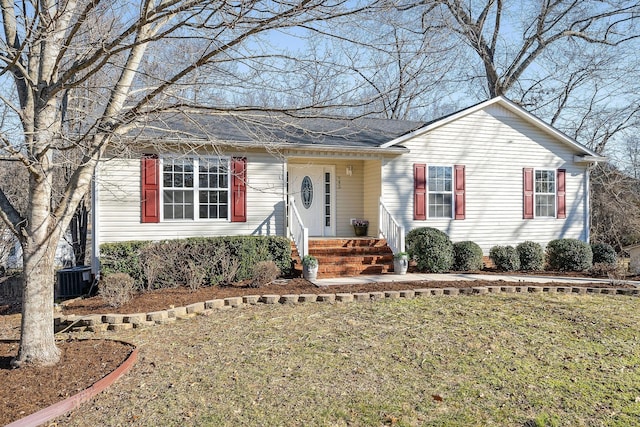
(37, 343)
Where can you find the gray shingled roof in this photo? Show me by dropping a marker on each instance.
(274, 128)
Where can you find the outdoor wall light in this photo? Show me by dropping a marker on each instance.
(349, 170)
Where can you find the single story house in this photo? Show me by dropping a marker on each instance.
(491, 173)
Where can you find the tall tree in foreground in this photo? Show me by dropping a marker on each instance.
(128, 55)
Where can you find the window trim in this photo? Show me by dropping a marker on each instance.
(452, 192)
(554, 173)
(196, 188)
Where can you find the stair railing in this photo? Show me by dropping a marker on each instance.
(391, 230)
(298, 232)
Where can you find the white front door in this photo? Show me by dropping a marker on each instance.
(312, 189)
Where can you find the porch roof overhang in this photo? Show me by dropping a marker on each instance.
(305, 150)
(286, 149)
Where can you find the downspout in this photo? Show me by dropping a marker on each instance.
(285, 197)
(95, 232)
(587, 203)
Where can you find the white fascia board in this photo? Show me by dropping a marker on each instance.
(343, 149)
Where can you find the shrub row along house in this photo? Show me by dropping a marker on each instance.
(492, 173)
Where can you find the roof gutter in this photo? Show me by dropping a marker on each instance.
(590, 159)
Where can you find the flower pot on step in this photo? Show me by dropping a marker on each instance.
(360, 230)
(400, 263)
(310, 273)
(310, 267)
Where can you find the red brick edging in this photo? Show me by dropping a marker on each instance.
(71, 403)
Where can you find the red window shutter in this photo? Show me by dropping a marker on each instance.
(528, 193)
(562, 204)
(460, 202)
(150, 197)
(238, 189)
(419, 191)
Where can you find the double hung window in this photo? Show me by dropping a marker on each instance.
(195, 188)
(545, 193)
(440, 189)
(438, 192)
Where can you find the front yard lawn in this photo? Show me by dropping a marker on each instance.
(498, 359)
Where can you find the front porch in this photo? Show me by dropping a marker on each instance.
(325, 196)
(330, 193)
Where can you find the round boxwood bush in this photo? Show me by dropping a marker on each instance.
(467, 256)
(603, 253)
(531, 256)
(431, 249)
(569, 255)
(505, 258)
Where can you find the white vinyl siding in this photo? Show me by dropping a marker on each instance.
(371, 194)
(495, 146)
(118, 186)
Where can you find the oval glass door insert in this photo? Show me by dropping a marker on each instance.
(306, 192)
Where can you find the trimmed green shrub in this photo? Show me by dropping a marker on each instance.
(505, 258)
(431, 248)
(195, 261)
(604, 253)
(123, 257)
(250, 250)
(569, 255)
(531, 256)
(467, 256)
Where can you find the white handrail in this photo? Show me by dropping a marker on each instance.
(391, 229)
(299, 233)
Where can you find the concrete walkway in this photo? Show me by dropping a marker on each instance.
(413, 277)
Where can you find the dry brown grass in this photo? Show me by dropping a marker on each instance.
(500, 360)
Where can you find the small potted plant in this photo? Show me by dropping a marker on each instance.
(400, 263)
(360, 227)
(310, 267)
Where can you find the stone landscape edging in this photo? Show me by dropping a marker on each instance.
(71, 403)
(120, 322)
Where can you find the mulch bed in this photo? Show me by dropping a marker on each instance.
(165, 298)
(29, 389)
